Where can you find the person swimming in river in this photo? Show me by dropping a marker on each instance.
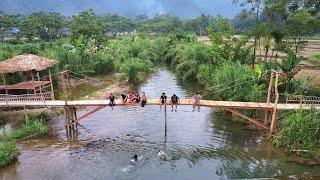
(162, 155)
(134, 158)
(163, 100)
(112, 101)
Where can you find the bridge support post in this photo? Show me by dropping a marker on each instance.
(165, 119)
(266, 113)
(70, 120)
(274, 111)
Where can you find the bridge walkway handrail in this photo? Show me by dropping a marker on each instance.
(301, 99)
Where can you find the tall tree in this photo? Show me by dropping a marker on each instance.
(256, 9)
(87, 24)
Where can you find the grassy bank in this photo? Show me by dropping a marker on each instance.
(33, 125)
(300, 134)
(8, 152)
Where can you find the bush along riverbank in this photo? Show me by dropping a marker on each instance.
(300, 134)
(32, 126)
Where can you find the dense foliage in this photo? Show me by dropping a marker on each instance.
(33, 125)
(300, 133)
(8, 152)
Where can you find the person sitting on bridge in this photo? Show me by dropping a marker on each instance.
(112, 101)
(163, 100)
(132, 97)
(143, 99)
(174, 102)
(196, 101)
(138, 98)
(124, 97)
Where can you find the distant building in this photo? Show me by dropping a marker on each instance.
(65, 31)
(14, 31)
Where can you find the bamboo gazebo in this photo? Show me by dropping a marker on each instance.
(27, 63)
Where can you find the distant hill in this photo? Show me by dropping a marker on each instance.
(129, 8)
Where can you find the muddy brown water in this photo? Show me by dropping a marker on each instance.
(199, 145)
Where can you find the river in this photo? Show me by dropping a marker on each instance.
(199, 145)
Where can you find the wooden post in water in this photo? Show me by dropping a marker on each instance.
(274, 111)
(165, 119)
(66, 119)
(75, 117)
(266, 115)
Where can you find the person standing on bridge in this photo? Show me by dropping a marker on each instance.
(143, 99)
(112, 100)
(196, 101)
(174, 102)
(163, 100)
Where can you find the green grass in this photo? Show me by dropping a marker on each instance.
(300, 133)
(34, 125)
(35, 128)
(315, 58)
(8, 152)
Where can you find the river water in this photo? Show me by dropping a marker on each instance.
(199, 145)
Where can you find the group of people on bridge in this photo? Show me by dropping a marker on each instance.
(134, 97)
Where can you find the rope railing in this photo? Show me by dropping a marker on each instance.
(25, 97)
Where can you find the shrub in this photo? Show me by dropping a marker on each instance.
(8, 153)
(232, 81)
(36, 128)
(315, 58)
(300, 133)
(43, 116)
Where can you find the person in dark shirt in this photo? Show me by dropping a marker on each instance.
(163, 100)
(112, 100)
(138, 98)
(174, 102)
(124, 97)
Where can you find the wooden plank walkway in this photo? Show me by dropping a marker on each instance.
(205, 103)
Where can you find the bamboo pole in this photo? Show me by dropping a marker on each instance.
(62, 82)
(40, 87)
(5, 86)
(32, 76)
(69, 85)
(274, 111)
(51, 84)
(266, 114)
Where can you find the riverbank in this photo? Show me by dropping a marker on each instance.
(32, 126)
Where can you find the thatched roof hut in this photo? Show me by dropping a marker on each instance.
(25, 62)
(31, 63)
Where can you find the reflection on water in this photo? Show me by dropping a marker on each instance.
(202, 145)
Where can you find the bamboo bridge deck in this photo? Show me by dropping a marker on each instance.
(205, 103)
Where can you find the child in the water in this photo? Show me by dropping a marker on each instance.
(162, 155)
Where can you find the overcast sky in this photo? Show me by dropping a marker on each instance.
(129, 8)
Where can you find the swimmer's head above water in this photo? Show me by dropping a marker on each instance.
(161, 153)
(134, 158)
